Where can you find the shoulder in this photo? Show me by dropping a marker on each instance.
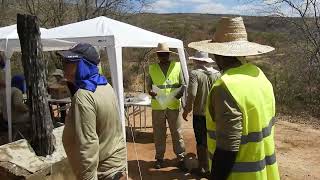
(83, 97)
(15, 90)
(153, 64)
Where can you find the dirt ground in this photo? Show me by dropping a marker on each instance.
(297, 145)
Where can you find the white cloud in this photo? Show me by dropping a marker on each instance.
(258, 7)
(218, 8)
(212, 8)
(194, 1)
(161, 6)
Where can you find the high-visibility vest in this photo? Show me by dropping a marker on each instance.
(167, 83)
(254, 96)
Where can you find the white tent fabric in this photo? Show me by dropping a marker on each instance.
(9, 43)
(114, 35)
(100, 32)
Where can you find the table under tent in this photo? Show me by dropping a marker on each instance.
(101, 32)
(9, 43)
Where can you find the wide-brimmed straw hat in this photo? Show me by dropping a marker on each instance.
(202, 56)
(58, 72)
(231, 39)
(163, 47)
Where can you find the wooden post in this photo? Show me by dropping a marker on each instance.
(34, 66)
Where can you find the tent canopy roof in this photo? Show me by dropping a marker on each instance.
(9, 40)
(103, 31)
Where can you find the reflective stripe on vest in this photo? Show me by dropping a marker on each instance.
(251, 137)
(252, 166)
(167, 83)
(254, 96)
(168, 86)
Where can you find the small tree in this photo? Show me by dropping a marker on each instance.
(301, 72)
(35, 71)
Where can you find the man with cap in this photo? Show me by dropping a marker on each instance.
(200, 83)
(240, 108)
(166, 76)
(92, 137)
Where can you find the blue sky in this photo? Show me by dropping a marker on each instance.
(240, 7)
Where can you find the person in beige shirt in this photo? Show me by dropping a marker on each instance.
(19, 110)
(56, 81)
(200, 82)
(93, 137)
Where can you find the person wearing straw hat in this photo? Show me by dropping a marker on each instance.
(240, 108)
(166, 76)
(200, 82)
(92, 137)
(56, 80)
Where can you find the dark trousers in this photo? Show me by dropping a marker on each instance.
(200, 130)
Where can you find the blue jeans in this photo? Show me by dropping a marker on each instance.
(200, 130)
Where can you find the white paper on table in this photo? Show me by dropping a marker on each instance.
(162, 98)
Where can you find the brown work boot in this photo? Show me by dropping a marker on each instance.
(181, 164)
(158, 164)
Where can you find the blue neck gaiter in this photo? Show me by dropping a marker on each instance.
(88, 77)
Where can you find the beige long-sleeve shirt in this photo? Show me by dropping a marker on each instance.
(19, 110)
(93, 138)
(200, 83)
(228, 118)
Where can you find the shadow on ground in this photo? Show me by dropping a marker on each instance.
(140, 137)
(170, 171)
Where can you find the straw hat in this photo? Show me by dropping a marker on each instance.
(163, 47)
(58, 72)
(231, 39)
(202, 56)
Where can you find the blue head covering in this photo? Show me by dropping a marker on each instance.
(88, 77)
(18, 81)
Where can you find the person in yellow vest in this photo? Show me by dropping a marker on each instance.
(166, 77)
(240, 108)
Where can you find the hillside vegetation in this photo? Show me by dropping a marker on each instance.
(296, 82)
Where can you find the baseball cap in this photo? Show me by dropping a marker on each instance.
(81, 50)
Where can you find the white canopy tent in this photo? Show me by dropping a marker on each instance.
(9, 43)
(100, 32)
(114, 35)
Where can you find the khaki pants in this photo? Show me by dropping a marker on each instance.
(159, 118)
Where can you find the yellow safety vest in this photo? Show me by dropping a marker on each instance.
(167, 83)
(253, 93)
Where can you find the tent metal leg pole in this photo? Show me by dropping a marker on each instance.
(8, 96)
